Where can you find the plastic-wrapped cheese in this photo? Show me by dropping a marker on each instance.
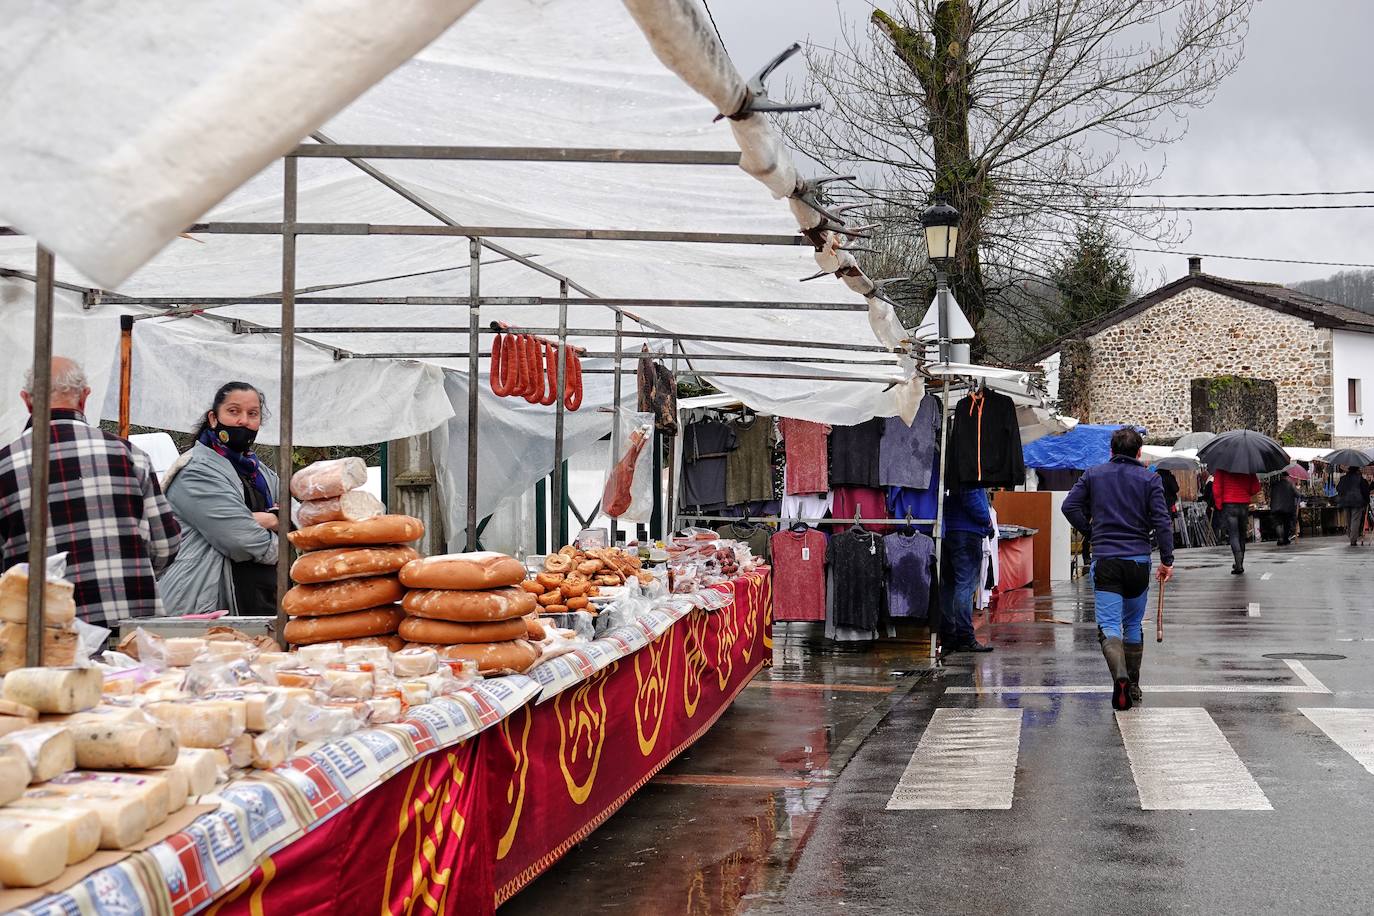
(272, 748)
(385, 710)
(239, 752)
(377, 656)
(123, 745)
(54, 689)
(123, 819)
(82, 826)
(105, 712)
(151, 791)
(15, 774)
(228, 650)
(351, 685)
(415, 693)
(238, 711)
(33, 851)
(414, 662)
(201, 768)
(199, 724)
(320, 655)
(181, 651)
(49, 748)
(167, 686)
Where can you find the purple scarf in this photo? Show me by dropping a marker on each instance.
(245, 463)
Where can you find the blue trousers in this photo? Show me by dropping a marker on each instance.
(963, 559)
(1121, 590)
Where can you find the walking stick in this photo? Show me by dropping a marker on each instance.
(1159, 616)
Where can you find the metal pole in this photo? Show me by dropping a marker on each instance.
(673, 459)
(559, 482)
(474, 383)
(942, 311)
(615, 406)
(288, 393)
(38, 470)
(126, 371)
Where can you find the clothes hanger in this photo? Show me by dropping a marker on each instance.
(858, 514)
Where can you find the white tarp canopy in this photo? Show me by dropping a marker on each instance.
(512, 73)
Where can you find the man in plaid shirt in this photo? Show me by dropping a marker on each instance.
(107, 510)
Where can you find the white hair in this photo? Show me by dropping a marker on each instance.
(71, 380)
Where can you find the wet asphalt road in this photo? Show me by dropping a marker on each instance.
(782, 807)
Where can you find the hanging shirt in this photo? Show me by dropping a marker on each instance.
(907, 453)
(808, 455)
(910, 562)
(857, 562)
(749, 467)
(798, 575)
(806, 506)
(985, 442)
(706, 444)
(867, 502)
(756, 536)
(854, 454)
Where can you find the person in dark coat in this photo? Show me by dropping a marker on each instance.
(1352, 498)
(1170, 482)
(1283, 503)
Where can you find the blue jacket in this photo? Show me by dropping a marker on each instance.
(967, 510)
(1117, 505)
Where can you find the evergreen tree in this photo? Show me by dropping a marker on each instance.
(1093, 278)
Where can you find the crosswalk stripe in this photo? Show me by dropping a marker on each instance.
(1182, 762)
(966, 759)
(1352, 729)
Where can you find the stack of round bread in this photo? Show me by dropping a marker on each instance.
(467, 606)
(347, 585)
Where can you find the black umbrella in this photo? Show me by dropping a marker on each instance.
(1177, 463)
(1347, 458)
(1243, 451)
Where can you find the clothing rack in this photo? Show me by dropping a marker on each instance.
(778, 520)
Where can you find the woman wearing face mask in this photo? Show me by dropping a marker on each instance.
(226, 501)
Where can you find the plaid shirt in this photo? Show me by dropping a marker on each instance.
(107, 512)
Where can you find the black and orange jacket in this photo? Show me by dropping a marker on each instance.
(985, 442)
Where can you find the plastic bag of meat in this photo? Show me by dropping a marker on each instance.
(327, 479)
(629, 490)
(353, 506)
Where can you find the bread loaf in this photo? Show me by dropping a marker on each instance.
(354, 625)
(445, 632)
(463, 571)
(373, 532)
(33, 851)
(83, 829)
(54, 689)
(324, 479)
(349, 563)
(470, 607)
(342, 597)
(59, 602)
(354, 506)
(514, 657)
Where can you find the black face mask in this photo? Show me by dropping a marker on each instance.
(236, 438)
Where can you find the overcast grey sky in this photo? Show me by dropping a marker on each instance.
(1297, 115)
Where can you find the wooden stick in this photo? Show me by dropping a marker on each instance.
(1159, 615)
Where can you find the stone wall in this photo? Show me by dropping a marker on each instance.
(1143, 367)
(1361, 442)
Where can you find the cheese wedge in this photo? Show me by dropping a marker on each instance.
(123, 819)
(207, 724)
(122, 745)
(83, 829)
(15, 774)
(13, 724)
(32, 851)
(351, 685)
(378, 656)
(320, 655)
(182, 651)
(272, 748)
(385, 710)
(54, 689)
(49, 749)
(240, 751)
(178, 784)
(151, 791)
(10, 708)
(201, 768)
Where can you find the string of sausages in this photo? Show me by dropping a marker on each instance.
(525, 366)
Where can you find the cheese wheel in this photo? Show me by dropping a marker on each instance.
(198, 724)
(123, 819)
(83, 829)
(373, 532)
(15, 774)
(514, 657)
(350, 563)
(122, 745)
(49, 750)
(353, 506)
(388, 642)
(201, 768)
(464, 571)
(342, 597)
(54, 689)
(328, 478)
(32, 851)
(374, 622)
(470, 607)
(444, 632)
(414, 662)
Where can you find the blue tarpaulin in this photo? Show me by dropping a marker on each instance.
(1076, 450)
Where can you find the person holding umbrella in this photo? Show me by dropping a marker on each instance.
(1352, 498)
(1283, 503)
(1236, 459)
(1117, 506)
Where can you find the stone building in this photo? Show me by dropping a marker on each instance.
(1205, 353)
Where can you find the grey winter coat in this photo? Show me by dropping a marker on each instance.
(217, 530)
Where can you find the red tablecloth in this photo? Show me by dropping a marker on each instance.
(463, 830)
(1016, 559)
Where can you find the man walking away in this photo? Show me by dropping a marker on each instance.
(1118, 505)
(107, 512)
(1352, 498)
(1283, 503)
(967, 522)
(1209, 500)
(1233, 493)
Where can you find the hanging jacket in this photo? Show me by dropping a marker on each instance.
(985, 442)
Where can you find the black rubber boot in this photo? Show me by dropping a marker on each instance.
(1135, 652)
(1115, 654)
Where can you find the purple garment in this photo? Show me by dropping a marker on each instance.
(906, 454)
(902, 502)
(910, 559)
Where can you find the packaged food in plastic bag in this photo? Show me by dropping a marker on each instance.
(318, 722)
(353, 506)
(273, 747)
(62, 634)
(629, 490)
(327, 479)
